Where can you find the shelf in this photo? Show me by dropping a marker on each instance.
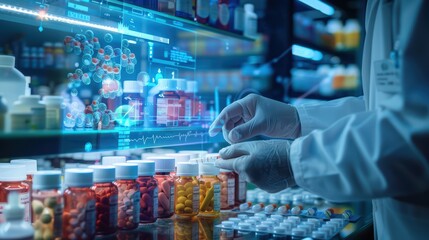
(344, 55)
(317, 96)
(34, 143)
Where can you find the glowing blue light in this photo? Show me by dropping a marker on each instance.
(320, 6)
(308, 53)
(88, 147)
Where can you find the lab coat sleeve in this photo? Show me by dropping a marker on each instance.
(380, 153)
(322, 115)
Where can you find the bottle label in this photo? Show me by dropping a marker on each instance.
(231, 188)
(172, 199)
(24, 198)
(90, 218)
(241, 188)
(155, 203)
(2, 206)
(216, 194)
(167, 111)
(196, 198)
(58, 220)
(203, 8)
(223, 14)
(188, 110)
(136, 204)
(184, 8)
(113, 211)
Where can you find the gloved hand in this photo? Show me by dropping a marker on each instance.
(263, 163)
(257, 115)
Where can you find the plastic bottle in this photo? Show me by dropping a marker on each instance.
(133, 97)
(250, 26)
(106, 205)
(223, 14)
(352, 77)
(335, 27)
(213, 12)
(185, 103)
(3, 112)
(240, 189)
(12, 178)
(31, 104)
(47, 204)
(178, 158)
(184, 9)
(54, 111)
(30, 170)
(148, 191)
(167, 6)
(111, 160)
(49, 54)
(15, 227)
(12, 81)
(352, 31)
(203, 10)
(209, 190)
(227, 194)
(187, 194)
(79, 204)
(238, 25)
(163, 167)
(166, 104)
(192, 100)
(128, 197)
(339, 77)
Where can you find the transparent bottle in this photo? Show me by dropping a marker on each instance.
(128, 197)
(30, 168)
(240, 189)
(12, 178)
(11, 79)
(167, 104)
(187, 191)
(148, 191)
(178, 158)
(227, 189)
(79, 204)
(47, 204)
(163, 167)
(54, 111)
(15, 227)
(106, 205)
(209, 190)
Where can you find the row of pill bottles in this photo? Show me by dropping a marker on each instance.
(187, 195)
(209, 190)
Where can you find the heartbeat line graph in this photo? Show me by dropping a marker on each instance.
(181, 137)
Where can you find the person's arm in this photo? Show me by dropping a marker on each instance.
(383, 153)
(322, 115)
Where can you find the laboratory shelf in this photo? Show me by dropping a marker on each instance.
(344, 55)
(46, 142)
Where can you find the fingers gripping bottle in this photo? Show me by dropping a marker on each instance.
(187, 195)
(163, 167)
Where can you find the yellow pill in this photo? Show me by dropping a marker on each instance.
(180, 188)
(180, 207)
(188, 210)
(189, 196)
(189, 191)
(188, 203)
(203, 188)
(181, 193)
(188, 185)
(195, 182)
(208, 184)
(181, 199)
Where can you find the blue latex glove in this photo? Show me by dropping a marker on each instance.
(256, 115)
(263, 163)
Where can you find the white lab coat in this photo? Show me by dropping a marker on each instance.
(376, 147)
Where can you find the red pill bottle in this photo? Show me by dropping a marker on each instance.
(240, 189)
(163, 167)
(148, 191)
(227, 189)
(128, 195)
(106, 205)
(79, 204)
(12, 178)
(167, 104)
(47, 202)
(185, 110)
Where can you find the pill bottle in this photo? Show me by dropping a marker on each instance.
(12, 81)
(148, 190)
(111, 160)
(3, 112)
(209, 190)
(79, 204)
(12, 178)
(54, 111)
(47, 205)
(178, 158)
(106, 205)
(185, 103)
(129, 195)
(227, 189)
(32, 105)
(250, 23)
(167, 104)
(335, 27)
(14, 226)
(240, 189)
(352, 31)
(195, 153)
(187, 194)
(133, 97)
(163, 167)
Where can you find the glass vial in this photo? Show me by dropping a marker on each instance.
(79, 204)
(187, 191)
(227, 184)
(106, 204)
(148, 191)
(47, 204)
(129, 196)
(167, 104)
(209, 190)
(163, 167)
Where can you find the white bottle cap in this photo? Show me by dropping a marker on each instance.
(248, 7)
(53, 100)
(30, 164)
(181, 84)
(179, 157)
(163, 164)
(92, 156)
(167, 84)
(44, 180)
(29, 99)
(208, 169)
(103, 173)
(12, 172)
(147, 155)
(6, 60)
(111, 160)
(133, 87)
(14, 209)
(78, 177)
(187, 169)
(146, 168)
(126, 171)
(195, 153)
